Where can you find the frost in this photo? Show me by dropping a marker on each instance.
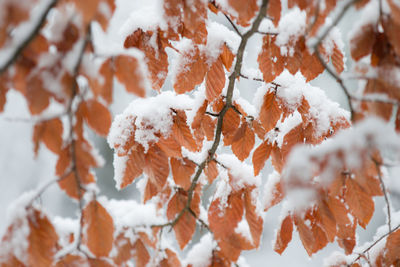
(218, 34)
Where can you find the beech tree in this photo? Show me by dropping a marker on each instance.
(193, 141)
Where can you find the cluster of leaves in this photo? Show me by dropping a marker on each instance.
(174, 141)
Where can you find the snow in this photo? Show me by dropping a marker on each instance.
(354, 143)
(241, 173)
(149, 116)
(291, 26)
(201, 253)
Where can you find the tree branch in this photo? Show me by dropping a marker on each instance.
(18, 50)
(228, 104)
(383, 187)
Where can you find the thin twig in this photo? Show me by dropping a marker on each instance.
(339, 80)
(228, 104)
(18, 50)
(374, 243)
(233, 25)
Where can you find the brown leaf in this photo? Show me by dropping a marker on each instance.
(156, 167)
(230, 125)
(270, 67)
(254, 220)
(141, 255)
(211, 171)
(361, 44)
(360, 203)
(134, 166)
(100, 229)
(260, 155)
(191, 73)
(215, 80)
(284, 234)
(246, 10)
(170, 146)
(102, 84)
(63, 161)
(50, 133)
(337, 59)
(185, 227)
(277, 195)
(270, 111)
(182, 171)
(311, 67)
(97, 116)
(274, 11)
(243, 142)
(171, 260)
(276, 158)
(42, 240)
(293, 137)
(128, 73)
(392, 248)
(182, 132)
(227, 57)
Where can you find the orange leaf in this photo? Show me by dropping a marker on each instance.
(230, 125)
(246, 10)
(327, 220)
(337, 59)
(276, 158)
(70, 185)
(42, 240)
(170, 146)
(292, 138)
(156, 167)
(270, 67)
(361, 44)
(141, 255)
(311, 67)
(182, 171)
(270, 111)
(191, 73)
(215, 80)
(360, 203)
(64, 161)
(50, 133)
(128, 73)
(392, 248)
(102, 85)
(277, 195)
(182, 132)
(243, 142)
(306, 235)
(134, 166)
(227, 57)
(100, 229)
(186, 225)
(260, 155)
(254, 220)
(211, 171)
(284, 235)
(171, 260)
(274, 10)
(97, 116)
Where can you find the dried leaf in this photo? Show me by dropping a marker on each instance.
(215, 80)
(360, 203)
(97, 116)
(243, 142)
(230, 125)
(361, 44)
(134, 166)
(270, 60)
(191, 73)
(127, 72)
(182, 171)
(274, 10)
(270, 111)
(211, 170)
(141, 255)
(156, 167)
(284, 234)
(227, 57)
(246, 10)
(42, 240)
(182, 132)
(100, 229)
(260, 155)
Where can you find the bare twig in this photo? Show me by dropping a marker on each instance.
(228, 104)
(373, 244)
(233, 25)
(339, 80)
(18, 50)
